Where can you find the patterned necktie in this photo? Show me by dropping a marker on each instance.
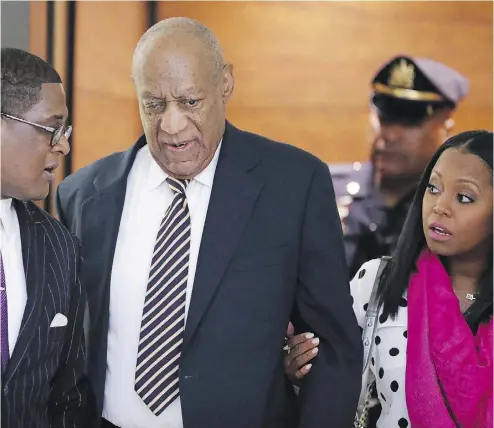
(4, 330)
(163, 315)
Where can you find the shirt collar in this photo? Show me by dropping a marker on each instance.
(156, 175)
(6, 214)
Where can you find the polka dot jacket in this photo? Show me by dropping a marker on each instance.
(388, 355)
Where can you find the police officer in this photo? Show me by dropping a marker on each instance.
(413, 100)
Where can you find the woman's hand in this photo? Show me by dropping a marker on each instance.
(300, 350)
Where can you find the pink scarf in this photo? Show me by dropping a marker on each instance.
(439, 339)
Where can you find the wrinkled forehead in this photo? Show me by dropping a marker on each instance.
(165, 67)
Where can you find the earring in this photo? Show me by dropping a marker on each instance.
(449, 124)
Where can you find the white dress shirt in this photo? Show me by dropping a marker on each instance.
(147, 198)
(15, 280)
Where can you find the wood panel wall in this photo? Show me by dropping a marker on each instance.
(302, 68)
(106, 116)
(38, 38)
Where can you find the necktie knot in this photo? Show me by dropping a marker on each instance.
(177, 186)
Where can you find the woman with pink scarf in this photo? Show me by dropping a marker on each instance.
(432, 353)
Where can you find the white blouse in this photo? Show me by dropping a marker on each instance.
(388, 356)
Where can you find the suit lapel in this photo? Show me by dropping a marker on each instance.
(33, 254)
(100, 220)
(233, 197)
(101, 216)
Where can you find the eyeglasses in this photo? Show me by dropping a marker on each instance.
(56, 133)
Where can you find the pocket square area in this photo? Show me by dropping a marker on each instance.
(60, 320)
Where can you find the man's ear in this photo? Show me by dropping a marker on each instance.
(446, 121)
(227, 82)
(444, 117)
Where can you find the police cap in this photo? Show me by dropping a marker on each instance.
(408, 90)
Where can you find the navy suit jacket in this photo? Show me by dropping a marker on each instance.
(44, 385)
(271, 251)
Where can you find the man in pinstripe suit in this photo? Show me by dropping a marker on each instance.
(42, 300)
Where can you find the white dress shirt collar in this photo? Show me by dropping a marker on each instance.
(13, 265)
(157, 176)
(6, 217)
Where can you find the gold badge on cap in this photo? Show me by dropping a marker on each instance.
(402, 75)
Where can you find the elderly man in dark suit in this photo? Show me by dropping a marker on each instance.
(42, 301)
(200, 243)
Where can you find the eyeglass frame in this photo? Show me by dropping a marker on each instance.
(66, 131)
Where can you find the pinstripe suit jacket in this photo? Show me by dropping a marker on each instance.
(44, 385)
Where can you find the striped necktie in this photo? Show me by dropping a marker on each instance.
(163, 315)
